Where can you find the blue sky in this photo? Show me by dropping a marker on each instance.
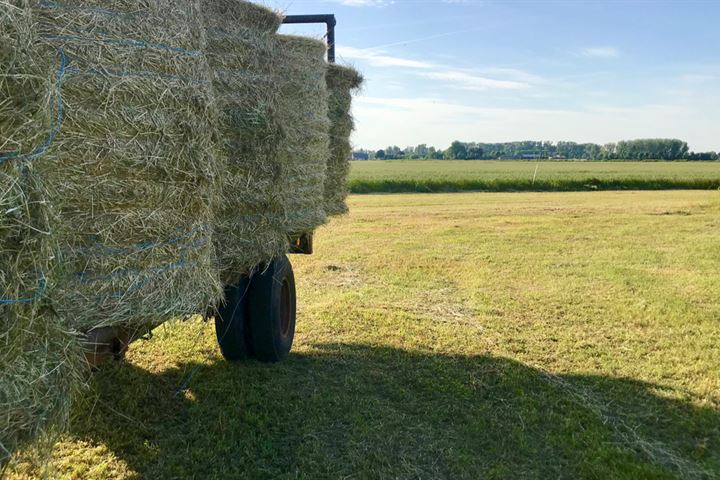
(440, 70)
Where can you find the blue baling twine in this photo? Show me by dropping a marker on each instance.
(159, 271)
(88, 277)
(129, 42)
(92, 72)
(42, 149)
(42, 284)
(103, 11)
(104, 250)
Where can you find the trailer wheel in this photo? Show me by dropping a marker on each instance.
(272, 309)
(231, 322)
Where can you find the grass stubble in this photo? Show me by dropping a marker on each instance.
(566, 335)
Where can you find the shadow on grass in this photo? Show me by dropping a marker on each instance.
(375, 412)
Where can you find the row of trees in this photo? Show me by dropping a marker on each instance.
(642, 149)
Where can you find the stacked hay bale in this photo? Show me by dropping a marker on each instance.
(110, 173)
(108, 179)
(241, 55)
(342, 82)
(39, 353)
(132, 173)
(300, 69)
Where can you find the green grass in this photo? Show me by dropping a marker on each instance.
(398, 176)
(463, 336)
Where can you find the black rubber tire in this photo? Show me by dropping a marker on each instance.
(272, 311)
(231, 323)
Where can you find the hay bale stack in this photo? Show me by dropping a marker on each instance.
(241, 55)
(303, 114)
(40, 357)
(132, 173)
(342, 82)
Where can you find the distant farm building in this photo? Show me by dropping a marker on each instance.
(360, 156)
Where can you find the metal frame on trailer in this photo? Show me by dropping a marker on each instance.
(327, 19)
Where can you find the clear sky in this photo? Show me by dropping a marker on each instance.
(474, 70)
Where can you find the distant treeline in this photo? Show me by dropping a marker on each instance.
(641, 149)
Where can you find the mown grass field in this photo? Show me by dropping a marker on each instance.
(462, 336)
(394, 176)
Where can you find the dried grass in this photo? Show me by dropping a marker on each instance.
(342, 82)
(300, 70)
(240, 52)
(133, 173)
(39, 368)
(107, 186)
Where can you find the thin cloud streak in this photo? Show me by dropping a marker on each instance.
(464, 79)
(600, 52)
(469, 81)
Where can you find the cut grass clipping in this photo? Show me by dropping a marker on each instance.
(342, 82)
(240, 54)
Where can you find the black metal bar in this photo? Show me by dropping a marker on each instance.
(327, 19)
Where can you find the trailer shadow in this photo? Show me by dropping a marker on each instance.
(374, 412)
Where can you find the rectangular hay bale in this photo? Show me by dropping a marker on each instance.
(40, 356)
(342, 82)
(108, 181)
(132, 174)
(300, 69)
(240, 55)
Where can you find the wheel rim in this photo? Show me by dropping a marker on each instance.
(285, 310)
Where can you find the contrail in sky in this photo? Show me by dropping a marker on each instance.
(422, 39)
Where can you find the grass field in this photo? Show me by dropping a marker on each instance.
(497, 176)
(463, 336)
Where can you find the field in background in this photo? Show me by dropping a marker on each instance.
(497, 176)
(555, 335)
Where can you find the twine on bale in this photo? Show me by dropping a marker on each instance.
(39, 293)
(17, 156)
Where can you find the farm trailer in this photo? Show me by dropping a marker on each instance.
(257, 319)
